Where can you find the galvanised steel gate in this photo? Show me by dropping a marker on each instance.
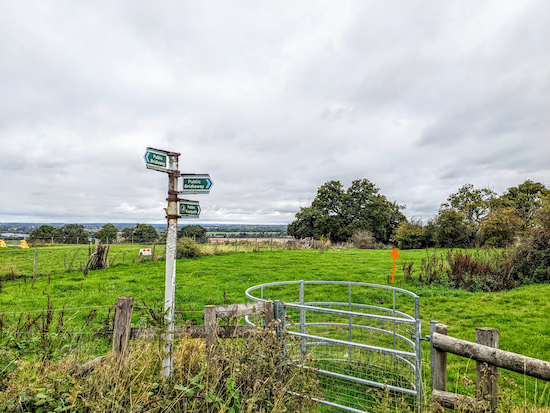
(366, 347)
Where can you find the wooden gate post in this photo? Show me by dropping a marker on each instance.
(121, 327)
(486, 374)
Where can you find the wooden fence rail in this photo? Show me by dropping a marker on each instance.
(488, 359)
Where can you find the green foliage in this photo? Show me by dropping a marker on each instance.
(527, 198)
(45, 233)
(107, 233)
(452, 229)
(248, 375)
(338, 214)
(74, 233)
(473, 203)
(195, 232)
(500, 227)
(141, 233)
(410, 235)
(187, 248)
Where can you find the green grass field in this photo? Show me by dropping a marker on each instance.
(521, 315)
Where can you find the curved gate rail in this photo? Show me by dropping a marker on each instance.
(365, 350)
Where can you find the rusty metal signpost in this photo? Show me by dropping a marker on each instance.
(167, 161)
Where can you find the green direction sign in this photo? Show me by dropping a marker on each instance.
(189, 209)
(156, 159)
(196, 184)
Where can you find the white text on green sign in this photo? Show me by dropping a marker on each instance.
(196, 184)
(156, 159)
(190, 209)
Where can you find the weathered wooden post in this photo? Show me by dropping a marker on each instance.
(439, 379)
(121, 327)
(35, 262)
(486, 374)
(268, 312)
(210, 325)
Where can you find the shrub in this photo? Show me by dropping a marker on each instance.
(187, 248)
(363, 240)
(409, 235)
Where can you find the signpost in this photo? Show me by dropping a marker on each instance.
(196, 184)
(189, 209)
(157, 159)
(167, 161)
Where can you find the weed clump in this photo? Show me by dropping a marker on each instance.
(187, 248)
(253, 374)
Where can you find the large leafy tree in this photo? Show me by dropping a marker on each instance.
(145, 233)
(45, 233)
(141, 233)
(196, 232)
(74, 234)
(473, 203)
(107, 233)
(526, 198)
(338, 214)
(452, 229)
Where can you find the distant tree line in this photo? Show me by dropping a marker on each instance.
(471, 217)
(475, 217)
(141, 233)
(68, 234)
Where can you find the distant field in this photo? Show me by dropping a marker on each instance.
(521, 315)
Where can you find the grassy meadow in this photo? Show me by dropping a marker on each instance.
(521, 315)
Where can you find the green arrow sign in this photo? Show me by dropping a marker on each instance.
(156, 159)
(189, 209)
(196, 184)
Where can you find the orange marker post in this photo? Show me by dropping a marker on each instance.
(394, 254)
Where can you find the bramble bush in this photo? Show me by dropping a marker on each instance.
(187, 248)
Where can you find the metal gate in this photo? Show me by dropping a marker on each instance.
(365, 346)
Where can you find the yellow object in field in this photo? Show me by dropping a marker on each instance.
(3, 244)
(24, 244)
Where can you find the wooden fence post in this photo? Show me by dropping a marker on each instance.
(268, 312)
(486, 374)
(440, 370)
(210, 325)
(121, 327)
(35, 262)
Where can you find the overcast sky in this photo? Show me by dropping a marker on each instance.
(271, 98)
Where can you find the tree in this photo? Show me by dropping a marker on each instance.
(195, 232)
(338, 214)
(473, 203)
(500, 227)
(74, 233)
(410, 235)
(127, 233)
(145, 233)
(45, 233)
(526, 198)
(452, 229)
(304, 224)
(107, 233)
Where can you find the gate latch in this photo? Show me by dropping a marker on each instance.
(427, 337)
